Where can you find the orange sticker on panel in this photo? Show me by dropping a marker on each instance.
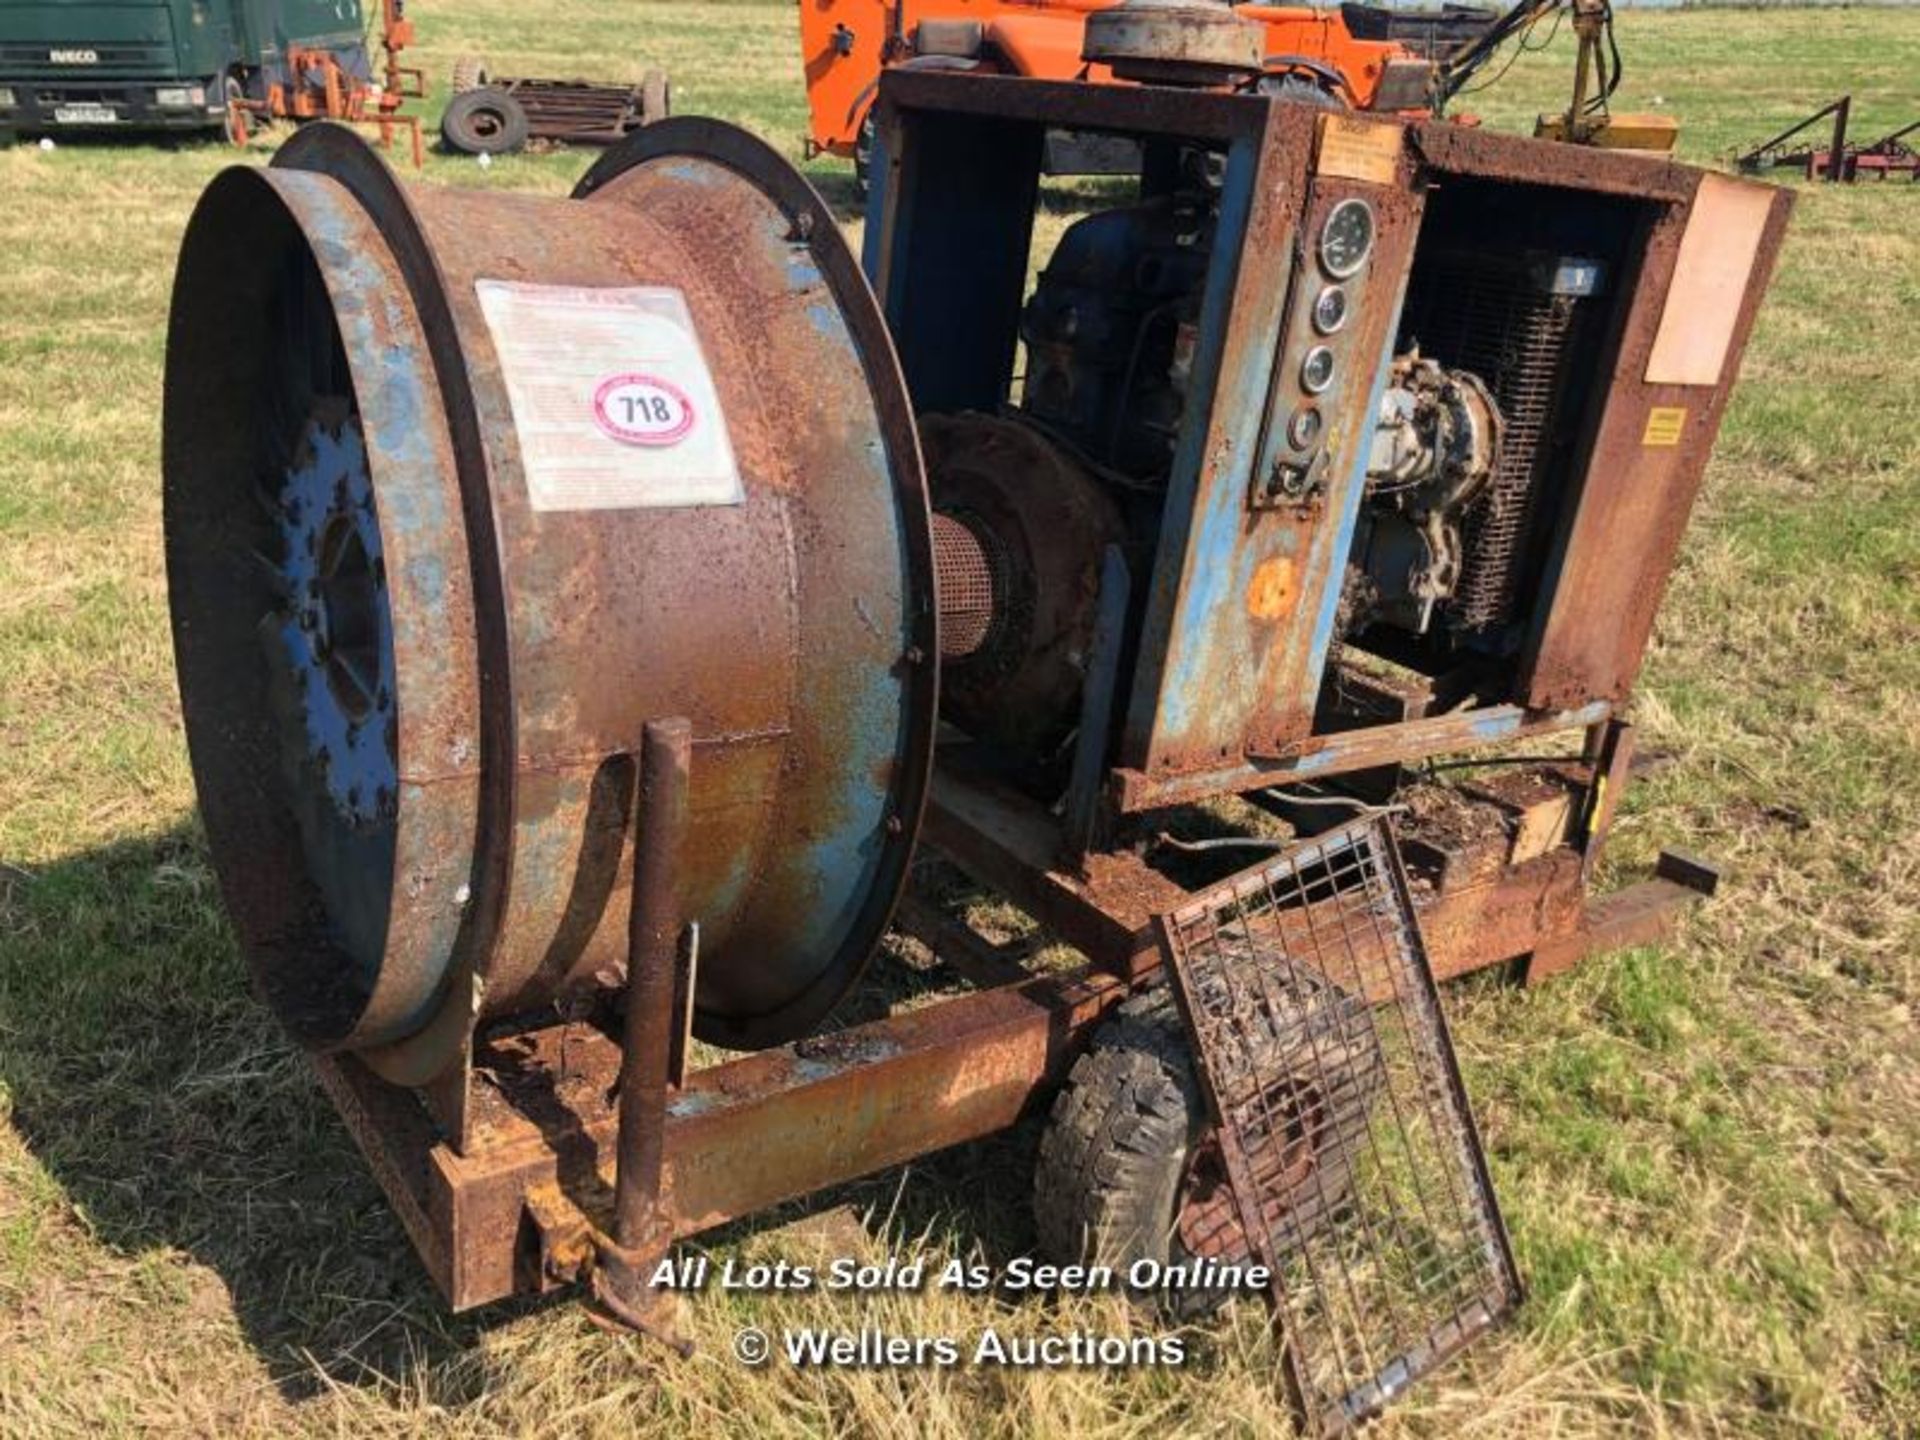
(1272, 592)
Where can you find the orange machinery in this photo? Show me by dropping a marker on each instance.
(315, 85)
(846, 43)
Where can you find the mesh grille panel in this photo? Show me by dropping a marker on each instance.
(1485, 314)
(967, 580)
(1349, 1147)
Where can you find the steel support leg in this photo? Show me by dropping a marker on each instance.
(642, 1230)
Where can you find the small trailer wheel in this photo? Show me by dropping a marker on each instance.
(470, 73)
(487, 121)
(656, 97)
(1129, 1169)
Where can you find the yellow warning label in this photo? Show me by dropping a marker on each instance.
(1664, 424)
(1359, 149)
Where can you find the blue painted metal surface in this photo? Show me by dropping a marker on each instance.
(1194, 564)
(786, 627)
(1095, 733)
(377, 771)
(1292, 681)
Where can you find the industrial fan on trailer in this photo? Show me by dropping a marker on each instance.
(587, 610)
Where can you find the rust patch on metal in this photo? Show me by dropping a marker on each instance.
(1274, 589)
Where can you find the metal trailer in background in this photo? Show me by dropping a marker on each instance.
(491, 115)
(1838, 159)
(563, 610)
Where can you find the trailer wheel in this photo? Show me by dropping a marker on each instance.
(487, 121)
(1129, 1169)
(656, 97)
(470, 73)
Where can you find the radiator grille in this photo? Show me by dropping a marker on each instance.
(1349, 1147)
(1486, 314)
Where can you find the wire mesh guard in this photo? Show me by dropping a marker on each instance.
(972, 577)
(1348, 1144)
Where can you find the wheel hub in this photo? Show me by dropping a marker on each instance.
(336, 630)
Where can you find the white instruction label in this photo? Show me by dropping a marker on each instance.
(612, 399)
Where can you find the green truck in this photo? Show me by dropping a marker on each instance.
(157, 64)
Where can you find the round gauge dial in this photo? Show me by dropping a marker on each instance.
(1330, 309)
(1347, 238)
(1316, 370)
(1303, 428)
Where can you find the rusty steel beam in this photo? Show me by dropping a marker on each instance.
(738, 1138)
(641, 1231)
(1004, 842)
(1012, 846)
(517, 1211)
(1641, 914)
(1345, 751)
(1186, 114)
(1198, 115)
(957, 945)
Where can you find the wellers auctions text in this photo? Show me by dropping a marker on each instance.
(690, 1273)
(876, 1349)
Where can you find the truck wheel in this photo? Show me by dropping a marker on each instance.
(470, 73)
(487, 121)
(656, 97)
(1129, 1169)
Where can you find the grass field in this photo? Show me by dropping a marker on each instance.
(1709, 1152)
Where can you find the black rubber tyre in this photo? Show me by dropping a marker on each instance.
(1115, 1168)
(863, 154)
(1301, 88)
(656, 97)
(484, 122)
(469, 73)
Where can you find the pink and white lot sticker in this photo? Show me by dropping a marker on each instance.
(641, 409)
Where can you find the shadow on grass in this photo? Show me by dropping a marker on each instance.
(172, 1113)
(162, 1099)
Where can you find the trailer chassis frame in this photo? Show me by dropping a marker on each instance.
(529, 1205)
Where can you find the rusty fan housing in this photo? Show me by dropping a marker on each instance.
(412, 697)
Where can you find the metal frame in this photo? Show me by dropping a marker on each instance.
(520, 1196)
(1891, 154)
(1222, 703)
(528, 1204)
